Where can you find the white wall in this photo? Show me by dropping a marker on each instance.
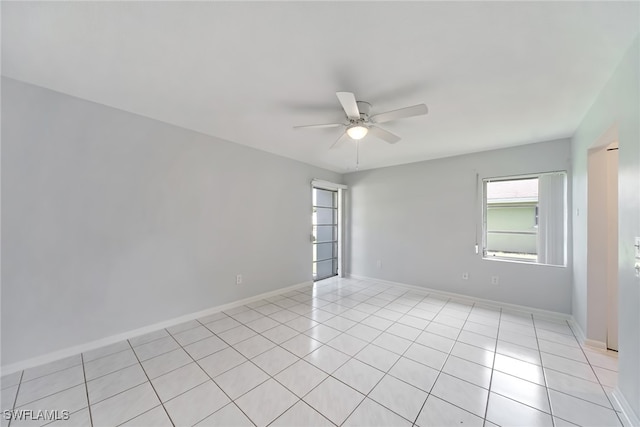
(618, 104)
(112, 221)
(420, 219)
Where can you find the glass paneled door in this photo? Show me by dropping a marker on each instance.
(325, 233)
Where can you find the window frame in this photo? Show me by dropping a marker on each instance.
(484, 230)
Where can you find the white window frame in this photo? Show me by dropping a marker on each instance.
(563, 220)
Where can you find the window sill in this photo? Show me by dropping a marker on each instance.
(516, 261)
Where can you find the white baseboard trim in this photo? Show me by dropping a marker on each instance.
(630, 417)
(577, 330)
(554, 315)
(582, 338)
(92, 345)
(600, 345)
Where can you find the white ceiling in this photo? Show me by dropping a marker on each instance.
(494, 74)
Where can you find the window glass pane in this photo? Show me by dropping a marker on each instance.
(325, 216)
(514, 218)
(324, 197)
(324, 251)
(512, 190)
(325, 233)
(324, 269)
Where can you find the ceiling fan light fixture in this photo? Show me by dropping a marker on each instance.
(357, 131)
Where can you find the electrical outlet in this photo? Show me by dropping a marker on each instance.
(495, 280)
(465, 276)
(379, 264)
(238, 279)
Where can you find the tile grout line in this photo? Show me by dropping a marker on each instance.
(50, 373)
(15, 398)
(493, 365)
(336, 296)
(366, 396)
(49, 395)
(544, 374)
(402, 355)
(461, 329)
(331, 374)
(528, 381)
(86, 389)
(441, 368)
(612, 407)
(347, 361)
(388, 302)
(212, 380)
(152, 387)
(598, 378)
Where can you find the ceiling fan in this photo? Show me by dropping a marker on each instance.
(360, 123)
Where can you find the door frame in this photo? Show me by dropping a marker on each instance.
(602, 283)
(341, 189)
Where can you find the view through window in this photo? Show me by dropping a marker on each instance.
(525, 218)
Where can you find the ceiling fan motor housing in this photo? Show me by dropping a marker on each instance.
(364, 108)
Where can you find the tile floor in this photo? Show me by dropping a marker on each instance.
(344, 352)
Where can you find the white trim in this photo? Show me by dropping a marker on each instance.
(92, 345)
(577, 330)
(600, 345)
(341, 233)
(326, 185)
(582, 338)
(627, 412)
(341, 189)
(460, 297)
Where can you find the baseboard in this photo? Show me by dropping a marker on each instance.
(577, 330)
(466, 298)
(582, 338)
(82, 348)
(630, 417)
(600, 345)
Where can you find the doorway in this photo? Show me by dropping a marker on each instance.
(602, 241)
(325, 233)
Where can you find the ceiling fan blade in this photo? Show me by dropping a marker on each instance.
(327, 125)
(349, 104)
(344, 137)
(384, 135)
(416, 110)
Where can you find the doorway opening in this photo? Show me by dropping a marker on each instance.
(602, 241)
(325, 233)
(327, 229)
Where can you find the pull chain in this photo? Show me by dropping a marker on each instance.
(357, 154)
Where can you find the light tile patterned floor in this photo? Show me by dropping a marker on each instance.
(343, 352)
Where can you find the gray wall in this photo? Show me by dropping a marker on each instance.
(618, 104)
(112, 221)
(420, 219)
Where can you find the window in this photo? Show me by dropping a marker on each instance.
(525, 218)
